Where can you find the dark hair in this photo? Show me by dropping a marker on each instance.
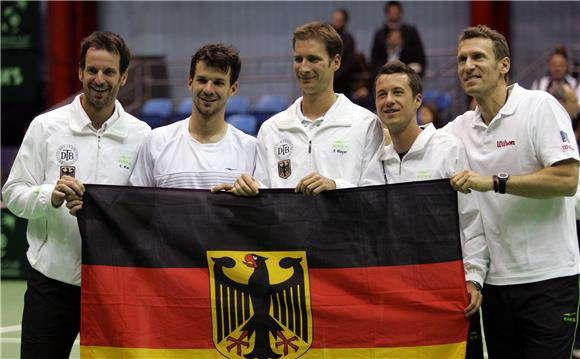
(500, 45)
(219, 56)
(397, 67)
(325, 33)
(344, 14)
(393, 3)
(111, 42)
(559, 50)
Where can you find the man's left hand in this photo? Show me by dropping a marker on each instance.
(466, 180)
(475, 299)
(314, 184)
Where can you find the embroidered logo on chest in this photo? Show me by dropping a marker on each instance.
(340, 147)
(283, 149)
(505, 143)
(67, 155)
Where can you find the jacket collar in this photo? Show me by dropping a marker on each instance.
(417, 146)
(333, 116)
(115, 126)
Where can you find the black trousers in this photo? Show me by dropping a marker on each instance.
(51, 318)
(532, 320)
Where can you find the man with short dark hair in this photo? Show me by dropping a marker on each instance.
(323, 141)
(524, 160)
(203, 150)
(394, 31)
(91, 140)
(424, 153)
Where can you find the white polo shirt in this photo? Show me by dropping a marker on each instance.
(435, 155)
(529, 240)
(171, 158)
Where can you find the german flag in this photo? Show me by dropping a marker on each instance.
(370, 272)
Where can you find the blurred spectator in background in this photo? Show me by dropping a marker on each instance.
(558, 72)
(343, 76)
(403, 44)
(429, 113)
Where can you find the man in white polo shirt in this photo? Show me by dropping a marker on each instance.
(322, 141)
(524, 159)
(203, 150)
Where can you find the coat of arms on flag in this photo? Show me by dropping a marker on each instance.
(260, 303)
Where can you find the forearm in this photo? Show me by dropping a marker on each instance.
(28, 201)
(558, 180)
(555, 181)
(473, 243)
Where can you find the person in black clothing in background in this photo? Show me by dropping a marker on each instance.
(411, 50)
(343, 77)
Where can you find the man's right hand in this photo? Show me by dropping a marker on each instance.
(245, 185)
(68, 188)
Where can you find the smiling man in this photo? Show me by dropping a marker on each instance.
(91, 140)
(424, 153)
(524, 160)
(322, 141)
(203, 150)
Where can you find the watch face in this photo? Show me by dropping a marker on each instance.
(502, 175)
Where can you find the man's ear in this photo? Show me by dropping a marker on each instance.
(505, 65)
(418, 100)
(124, 77)
(336, 62)
(234, 88)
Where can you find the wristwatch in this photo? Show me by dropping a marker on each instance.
(476, 284)
(502, 179)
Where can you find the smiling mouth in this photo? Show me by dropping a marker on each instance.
(471, 77)
(391, 110)
(99, 90)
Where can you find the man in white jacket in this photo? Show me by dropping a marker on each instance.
(419, 154)
(424, 153)
(91, 140)
(322, 141)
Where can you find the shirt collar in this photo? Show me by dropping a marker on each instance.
(114, 127)
(506, 110)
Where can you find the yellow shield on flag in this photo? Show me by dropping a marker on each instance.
(260, 303)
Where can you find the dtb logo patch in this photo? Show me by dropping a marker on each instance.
(283, 149)
(260, 304)
(67, 155)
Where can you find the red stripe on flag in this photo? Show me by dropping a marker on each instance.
(170, 307)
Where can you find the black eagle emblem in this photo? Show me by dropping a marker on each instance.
(259, 309)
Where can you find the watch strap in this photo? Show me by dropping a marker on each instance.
(476, 284)
(501, 184)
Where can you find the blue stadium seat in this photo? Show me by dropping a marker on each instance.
(156, 111)
(244, 122)
(267, 106)
(183, 110)
(237, 104)
(441, 99)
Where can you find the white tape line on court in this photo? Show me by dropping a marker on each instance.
(10, 329)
